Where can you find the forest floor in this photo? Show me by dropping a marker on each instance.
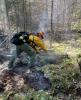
(65, 77)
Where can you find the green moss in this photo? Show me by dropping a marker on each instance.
(59, 47)
(69, 48)
(76, 25)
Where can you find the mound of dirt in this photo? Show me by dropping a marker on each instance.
(9, 80)
(38, 81)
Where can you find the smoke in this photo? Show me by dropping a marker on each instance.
(43, 22)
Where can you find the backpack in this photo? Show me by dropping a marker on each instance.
(16, 38)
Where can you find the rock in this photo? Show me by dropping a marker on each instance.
(38, 81)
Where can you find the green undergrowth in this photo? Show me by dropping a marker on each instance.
(69, 48)
(63, 77)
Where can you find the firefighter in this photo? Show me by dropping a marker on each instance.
(35, 46)
(41, 36)
(27, 43)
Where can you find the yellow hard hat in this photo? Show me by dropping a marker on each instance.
(41, 34)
